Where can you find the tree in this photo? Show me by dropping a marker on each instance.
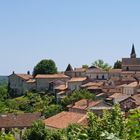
(133, 125)
(76, 96)
(46, 66)
(3, 93)
(101, 64)
(36, 132)
(85, 66)
(52, 110)
(4, 136)
(118, 64)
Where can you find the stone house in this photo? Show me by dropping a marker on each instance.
(76, 82)
(45, 82)
(96, 73)
(131, 88)
(82, 106)
(76, 72)
(12, 121)
(125, 101)
(20, 83)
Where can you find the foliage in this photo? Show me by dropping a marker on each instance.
(111, 122)
(118, 64)
(134, 125)
(76, 96)
(36, 132)
(51, 110)
(31, 102)
(85, 66)
(110, 126)
(4, 136)
(46, 66)
(101, 64)
(3, 92)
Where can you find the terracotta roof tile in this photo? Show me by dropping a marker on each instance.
(93, 84)
(77, 79)
(115, 71)
(24, 76)
(31, 81)
(130, 61)
(137, 98)
(51, 76)
(84, 104)
(61, 87)
(18, 120)
(64, 119)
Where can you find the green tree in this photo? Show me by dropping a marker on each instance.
(133, 125)
(101, 64)
(118, 64)
(46, 66)
(36, 132)
(51, 110)
(76, 96)
(3, 93)
(85, 66)
(111, 123)
(4, 136)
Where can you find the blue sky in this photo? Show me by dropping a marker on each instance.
(67, 31)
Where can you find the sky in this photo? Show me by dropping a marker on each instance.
(68, 31)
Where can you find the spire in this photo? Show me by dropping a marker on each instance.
(133, 54)
(69, 68)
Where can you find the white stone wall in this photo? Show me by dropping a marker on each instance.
(74, 85)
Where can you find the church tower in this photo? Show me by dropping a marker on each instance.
(133, 53)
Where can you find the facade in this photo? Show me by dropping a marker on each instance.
(131, 88)
(96, 73)
(45, 82)
(20, 83)
(21, 121)
(75, 83)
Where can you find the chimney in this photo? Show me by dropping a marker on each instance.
(88, 101)
(28, 72)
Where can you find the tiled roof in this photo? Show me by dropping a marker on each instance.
(95, 70)
(79, 69)
(93, 84)
(69, 68)
(130, 61)
(119, 97)
(64, 119)
(18, 120)
(77, 79)
(61, 93)
(137, 98)
(51, 76)
(133, 84)
(24, 76)
(31, 81)
(84, 104)
(115, 71)
(94, 87)
(61, 87)
(115, 95)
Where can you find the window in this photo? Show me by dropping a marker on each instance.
(127, 68)
(97, 77)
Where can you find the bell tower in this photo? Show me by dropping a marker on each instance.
(133, 53)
